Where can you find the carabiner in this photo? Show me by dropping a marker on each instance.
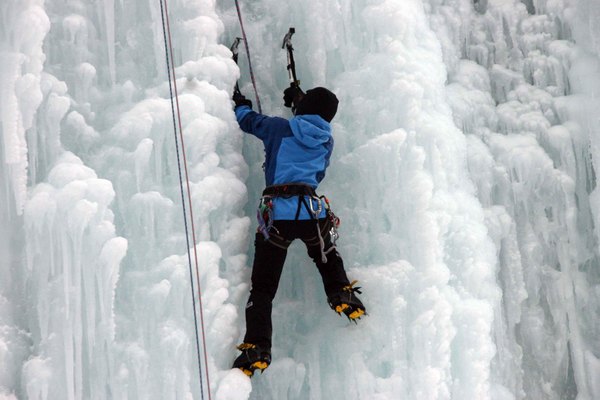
(312, 209)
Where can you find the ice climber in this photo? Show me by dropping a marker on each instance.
(297, 153)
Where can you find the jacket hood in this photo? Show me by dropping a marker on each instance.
(311, 130)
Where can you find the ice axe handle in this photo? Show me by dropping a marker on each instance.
(291, 66)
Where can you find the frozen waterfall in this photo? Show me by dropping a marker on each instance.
(467, 139)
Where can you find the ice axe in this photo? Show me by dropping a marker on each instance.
(236, 52)
(291, 68)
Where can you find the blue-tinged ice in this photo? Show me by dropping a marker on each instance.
(467, 141)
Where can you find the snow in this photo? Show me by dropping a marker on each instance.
(464, 175)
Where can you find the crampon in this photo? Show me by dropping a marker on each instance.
(346, 302)
(252, 358)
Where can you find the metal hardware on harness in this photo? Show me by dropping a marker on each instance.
(316, 212)
(264, 212)
(335, 221)
(333, 233)
(264, 215)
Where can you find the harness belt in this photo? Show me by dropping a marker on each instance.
(289, 190)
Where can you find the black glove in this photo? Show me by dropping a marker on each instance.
(240, 100)
(292, 95)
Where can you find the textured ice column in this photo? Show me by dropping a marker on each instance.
(65, 290)
(536, 178)
(155, 353)
(155, 290)
(109, 24)
(25, 24)
(585, 80)
(73, 258)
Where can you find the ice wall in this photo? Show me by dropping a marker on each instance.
(62, 256)
(463, 173)
(516, 87)
(20, 96)
(413, 232)
(95, 299)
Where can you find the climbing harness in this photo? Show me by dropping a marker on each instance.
(181, 161)
(245, 39)
(264, 215)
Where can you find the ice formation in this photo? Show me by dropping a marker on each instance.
(464, 174)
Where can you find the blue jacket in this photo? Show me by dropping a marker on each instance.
(296, 151)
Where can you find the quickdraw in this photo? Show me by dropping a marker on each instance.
(335, 221)
(264, 215)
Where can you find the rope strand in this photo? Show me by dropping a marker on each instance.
(239, 12)
(183, 160)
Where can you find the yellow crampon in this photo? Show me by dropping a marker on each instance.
(349, 288)
(356, 314)
(260, 365)
(246, 346)
(341, 308)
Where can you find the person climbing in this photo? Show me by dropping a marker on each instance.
(297, 153)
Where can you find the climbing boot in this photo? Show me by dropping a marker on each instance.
(345, 301)
(252, 358)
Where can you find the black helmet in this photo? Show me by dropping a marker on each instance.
(318, 101)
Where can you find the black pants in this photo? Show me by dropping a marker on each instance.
(269, 258)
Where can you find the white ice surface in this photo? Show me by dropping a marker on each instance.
(467, 140)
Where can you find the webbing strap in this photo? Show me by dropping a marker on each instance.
(289, 190)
